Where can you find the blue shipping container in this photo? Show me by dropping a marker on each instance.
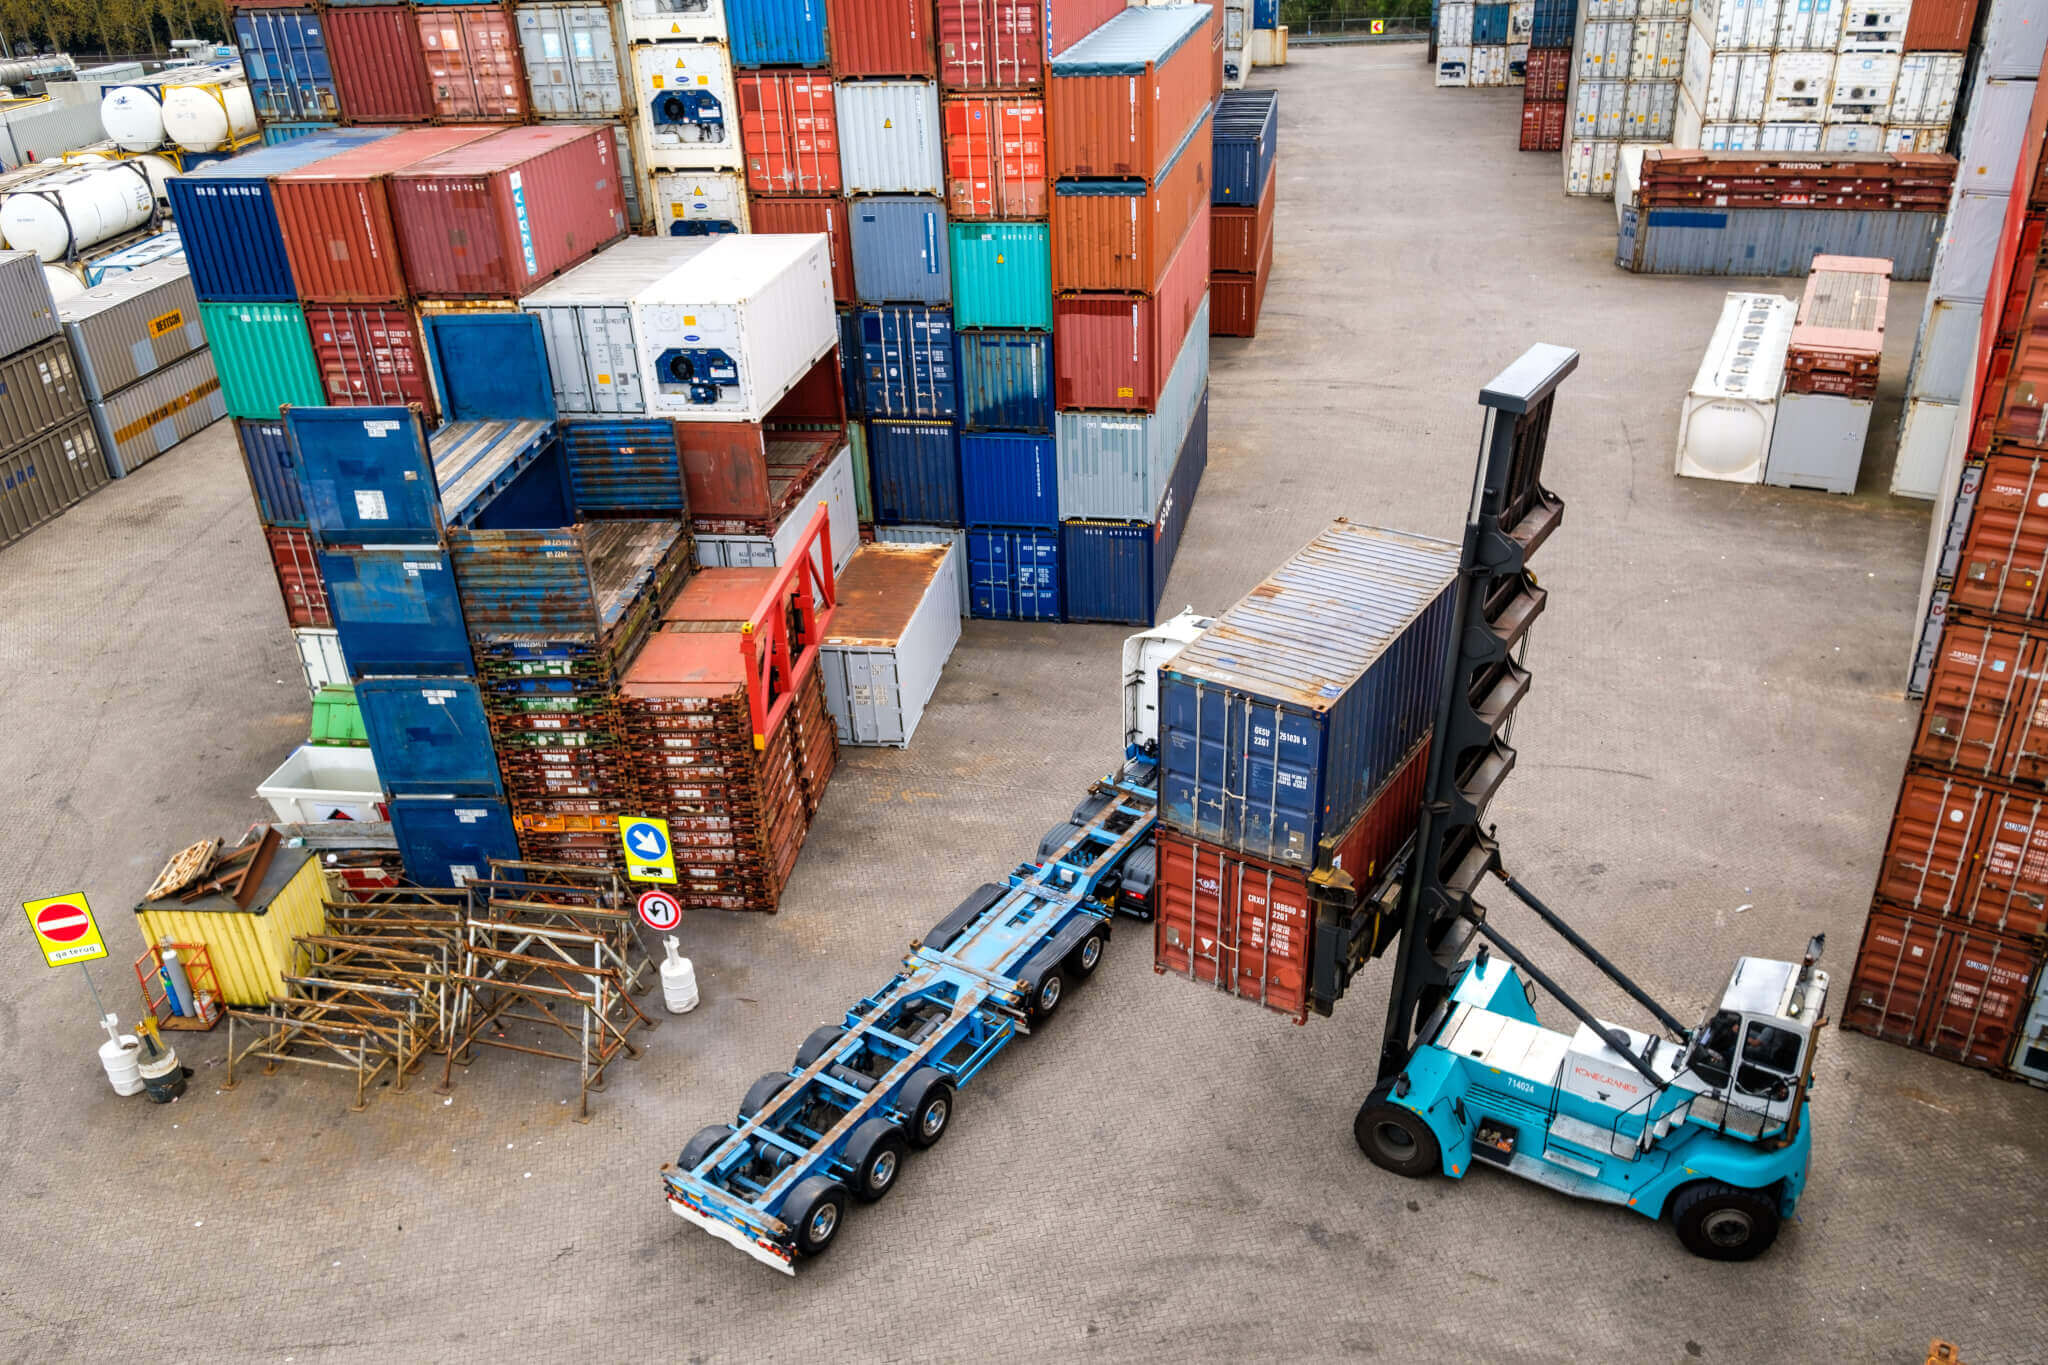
(628, 466)
(365, 476)
(429, 736)
(899, 250)
(1013, 574)
(1006, 381)
(398, 613)
(915, 467)
(228, 224)
(1489, 25)
(447, 841)
(1279, 723)
(1009, 480)
(1265, 13)
(273, 474)
(776, 32)
(277, 134)
(284, 52)
(1554, 23)
(907, 359)
(1117, 570)
(1242, 141)
(490, 367)
(850, 370)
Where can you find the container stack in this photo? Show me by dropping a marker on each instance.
(50, 456)
(1246, 182)
(144, 363)
(686, 105)
(1483, 45)
(1831, 372)
(1547, 75)
(1623, 88)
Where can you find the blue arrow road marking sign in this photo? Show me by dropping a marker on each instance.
(646, 841)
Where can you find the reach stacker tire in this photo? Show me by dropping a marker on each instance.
(875, 1151)
(819, 1206)
(928, 1099)
(1725, 1222)
(1396, 1139)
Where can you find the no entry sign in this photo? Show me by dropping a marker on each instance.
(660, 911)
(65, 930)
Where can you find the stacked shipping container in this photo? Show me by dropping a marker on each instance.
(1485, 45)
(50, 456)
(1244, 185)
(1547, 75)
(1623, 86)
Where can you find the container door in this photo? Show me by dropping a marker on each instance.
(448, 842)
(607, 344)
(365, 476)
(396, 612)
(429, 738)
(877, 697)
(490, 367)
(1245, 771)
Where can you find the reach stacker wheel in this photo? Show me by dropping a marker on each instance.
(875, 1151)
(928, 1099)
(819, 1208)
(1396, 1139)
(1725, 1222)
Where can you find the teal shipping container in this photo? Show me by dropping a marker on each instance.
(264, 357)
(1002, 275)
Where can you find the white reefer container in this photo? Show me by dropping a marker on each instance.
(1799, 86)
(687, 116)
(888, 642)
(1927, 88)
(1992, 137)
(1737, 25)
(1875, 25)
(1864, 83)
(1726, 87)
(1809, 25)
(586, 324)
(724, 337)
(834, 488)
(674, 21)
(890, 139)
(692, 202)
(1724, 427)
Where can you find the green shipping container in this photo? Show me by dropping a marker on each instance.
(1002, 275)
(264, 357)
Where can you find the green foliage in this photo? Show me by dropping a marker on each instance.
(1297, 14)
(85, 27)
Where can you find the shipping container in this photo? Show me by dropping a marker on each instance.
(1013, 574)
(151, 415)
(602, 581)
(1725, 419)
(1543, 127)
(1002, 275)
(273, 474)
(27, 312)
(995, 156)
(1279, 724)
(429, 736)
(1726, 86)
(739, 478)
(1067, 22)
(299, 580)
(1985, 984)
(907, 364)
(700, 203)
(2012, 40)
(1930, 855)
(1874, 26)
(1551, 24)
(1814, 25)
(891, 140)
(130, 326)
(687, 109)
(674, 21)
(2009, 892)
(1944, 358)
(1244, 137)
(881, 38)
(370, 355)
(1114, 352)
(575, 67)
(397, 611)
(623, 467)
(1117, 570)
(833, 486)
(1772, 241)
(900, 250)
(1237, 234)
(1008, 479)
(991, 44)
(495, 218)
(822, 214)
(788, 132)
(2001, 572)
(586, 321)
(1997, 126)
(727, 335)
(1549, 75)
(380, 73)
(264, 356)
(1121, 99)
(50, 473)
(934, 535)
(915, 467)
(1927, 87)
(1120, 235)
(277, 134)
(1005, 381)
(897, 622)
(776, 32)
(1863, 88)
(284, 53)
(2030, 1050)
(1116, 466)
(451, 840)
(473, 67)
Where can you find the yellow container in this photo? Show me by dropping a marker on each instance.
(250, 949)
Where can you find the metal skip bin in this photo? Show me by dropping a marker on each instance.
(153, 414)
(896, 624)
(451, 840)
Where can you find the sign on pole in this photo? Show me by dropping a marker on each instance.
(659, 910)
(649, 858)
(1379, 26)
(65, 930)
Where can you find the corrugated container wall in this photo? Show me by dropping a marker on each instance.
(1772, 241)
(907, 363)
(370, 355)
(991, 44)
(39, 480)
(623, 467)
(273, 474)
(1009, 479)
(916, 471)
(1114, 352)
(39, 389)
(27, 312)
(1246, 131)
(473, 67)
(157, 412)
(828, 216)
(1941, 25)
(1006, 381)
(1002, 275)
(284, 52)
(1116, 465)
(776, 32)
(995, 156)
(881, 37)
(1120, 235)
(789, 132)
(1116, 571)
(1069, 21)
(1013, 574)
(264, 356)
(379, 70)
(1121, 100)
(890, 137)
(575, 65)
(132, 326)
(900, 250)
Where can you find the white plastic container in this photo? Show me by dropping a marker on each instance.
(1927, 88)
(687, 202)
(324, 782)
(586, 323)
(889, 641)
(834, 488)
(1863, 88)
(674, 21)
(320, 658)
(210, 116)
(1724, 427)
(725, 336)
(1799, 86)
(120, 1057)
(687, 116)
(890, 138)
(678, 979)
(66, 213)
(1145, 653)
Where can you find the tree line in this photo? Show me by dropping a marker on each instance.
(85, 28)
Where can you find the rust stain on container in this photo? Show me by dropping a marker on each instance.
(882, 588)
(473, 65)
(1111, 352)
(995, 156)
(1124, 242)
(380, 73)
(789, 131)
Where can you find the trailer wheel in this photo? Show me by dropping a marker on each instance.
(818, 1044)
(700, 1146)
(1045, 999)
(816, 1208)
(762, 1091)
(1086, 958)
(875, 1151)
(1725, 1222)
(928, 1099)
(1396, 1139)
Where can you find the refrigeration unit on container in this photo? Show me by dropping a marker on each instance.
(907, 364)
(900, 250)
(1724, 425)
(370, 355)
(1800, 83)
(730, 332)
(1009, 479)
(380, 73)
(53, 472)
(1121, 99)
(495, 218)
(776, 32)
(827, 214)
(891, 140)
(1279, 725)
(1863, 88)
(698, 203)
(991, 44)
(1114, 352)
(687, 111)
(1120, 235)
(873, 38)
(1013, 573)
(832, 486)
(1002, 275)
(1874, 26)
(1243, 138)
(789, 132)
(473, 67)
(284, 52)
(264, 357)
(1116, 466)
(1454, 67)
(130, 327)
(1005, 381)
(897, 622)
(573, 61)
(673, 21)
(915, 469)
(995, 156)
(586, 321)
(1117, 570)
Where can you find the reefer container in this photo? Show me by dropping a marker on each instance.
(1117, 570)
(1009, 479)
(729, 333)
(573, 61)
(284, 52)
(1120, 235)
(674, 21)
(1282, 721)
(27, 312)
(1995, 131)
(1114, 352)
(907, 363)
(397, 612)
(821, 214)
(623, 467)
(273, 474)
(915, 467)
(429, 736)
(1013, 574)
(334, 214)
(776, 32)
(43, 478)
(890, 137)
(1927, 88)
(39, 389)
(131, 326)
(1243, 137)
(473, 68)
(451, 840)
(370, 355)
(1005, 381)
(899, 250)
(995, 156)
(1116, 466)
(497, 217)
(991, 44)
(264, 357)
(1863, 88)
(297, 566)
(158, 411)
(789, 132)
(1121, 99)
(1002, 275)
(895, 627)
(880, 37)
(380, 73)
(1724, 425)
(586, 321)
(687, 109)
(1779, 241)
(934, 535)
(699, 203)
(1874, 25)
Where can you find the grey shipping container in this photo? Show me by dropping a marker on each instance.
(587, 324)
(934, 535)
(899, 250)
(27, 315)
(1703, 241)
(572, 61)
(890, 140)
(151, 415)
(49, 474)
(133, 325)
(1969, 245)
(38, 390)
(1114, 466)
(897, 623)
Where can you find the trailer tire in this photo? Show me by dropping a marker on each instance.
(875, 1151)
(927, 1098)
(1396, 1139)
(1088, 956)
(1725, 1222)
(762, 1091)
(1047, 994)
(700, 1146)
(816, 1209)
(820, 1042)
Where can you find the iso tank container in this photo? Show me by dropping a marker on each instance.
(495, 218)
(816, 214)
(380, 73)
(1117, 570)
(673, 21)
(575, 64)
(995, 156)
(370, 355)
(1009, 479)
(726, 335)
(1724, 425)
(473, 67)
(284, 53)
(1120, 235)
(1005, 381)
(776, 32)
(686, 109)
(1013, 574)
(915, 468)
(586, 324)
(1245, 133)
(131, 326)
(906, 358)
(40, 480)
(991, 44)
(895, 627)
(1121, 99)
(881, 38)
(891, 140)
(698, 203)
(1116, 465)
(1279, 725)
(264, 357)
(789, 132)
(1114, 352)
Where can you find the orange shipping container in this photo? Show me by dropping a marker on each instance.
(2010, 895)
(473, 63)
(1237, 230)
(1986, 713)
(1114, 113)
(1121, 241)
(880, 37)
(1930, 859)
(813, 215)
(789, 132)
(1235, 301)
(2005, 556)
(1893, 980)
(1983, 986)
(995, 157)
(1940, 25)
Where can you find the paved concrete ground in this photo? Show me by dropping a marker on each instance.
(1708, 761)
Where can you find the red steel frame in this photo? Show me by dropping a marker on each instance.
(770, 648)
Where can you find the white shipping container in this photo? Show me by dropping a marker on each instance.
(674, 21)
(1650, 113)
(1789, 137)
(895, 628)
(1944, 353)
(726, 335)
(1608, 9)
(890, 140)
(1693, 130)
(1738, 25)
(1602, 106)
(586, 324)
(1454, 26)
(1852, 137)
(1664, 9)
(1628, 182)
(1799, 86)
(681, 203)
(1454, 67)
(1657, 50)
(1992, 135)
(688, 117)
(834, 488)
(1863, 87)
(1518, 63)
(1589, 167)
(1521, 21)
(1875, 25)
(1724, 426)
(1916, 137)
(1927, 87)
(1969, 246)
(1490, 65)
(1817, 442)
(1729, 87)
(934, 535)
(1809, 25)
(2013, 37)
(1145, 654)
(320, 658)
(1923, 448)
(1603, 49)
(572, 61)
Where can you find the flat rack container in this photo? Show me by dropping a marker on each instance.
(897, 622)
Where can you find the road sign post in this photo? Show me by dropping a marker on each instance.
(68, 935)
(649, 856)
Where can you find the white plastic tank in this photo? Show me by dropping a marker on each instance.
(209, 116)
(678, 980)
(134, 117)
(73, 210)
(64, 282)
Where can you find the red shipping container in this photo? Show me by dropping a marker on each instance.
(789, 132)
(380, 74)
(472, 55)
(1893, 982)
(1069, 21)
(499, 217)
(1123, 242)
(991, 45)
(995, 156)
(1984, 715)
(1983, 986)
(2005, 555)
(1112, 352)
(880, 37)
(298, 577)
(1543, 126)
(1930, 859)
(335, 216)
(1547, 75)
(1129, 122)
(814, 215)
(2010, 895)
(745, 473)
(1940, 25)
(1235, 301)
(1237, 231)
(370, 355)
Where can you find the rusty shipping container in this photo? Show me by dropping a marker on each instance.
(370, 354)
(789, 132)
(1987, 705)
(380, 73)
(995, 157)
(880, 38)
(2005, 555)
(492, 219)
(1236, 300)
(1930, 857)
(1941, 25)
(1893, 979)
(1237, 230)
(298, 577)
(1112, 352)
(820, 214)
(1121, 99)
(2010, 895)
(991, 44)
(335, 216)
(473, 66)
(1940, 987)
(1120, 235)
